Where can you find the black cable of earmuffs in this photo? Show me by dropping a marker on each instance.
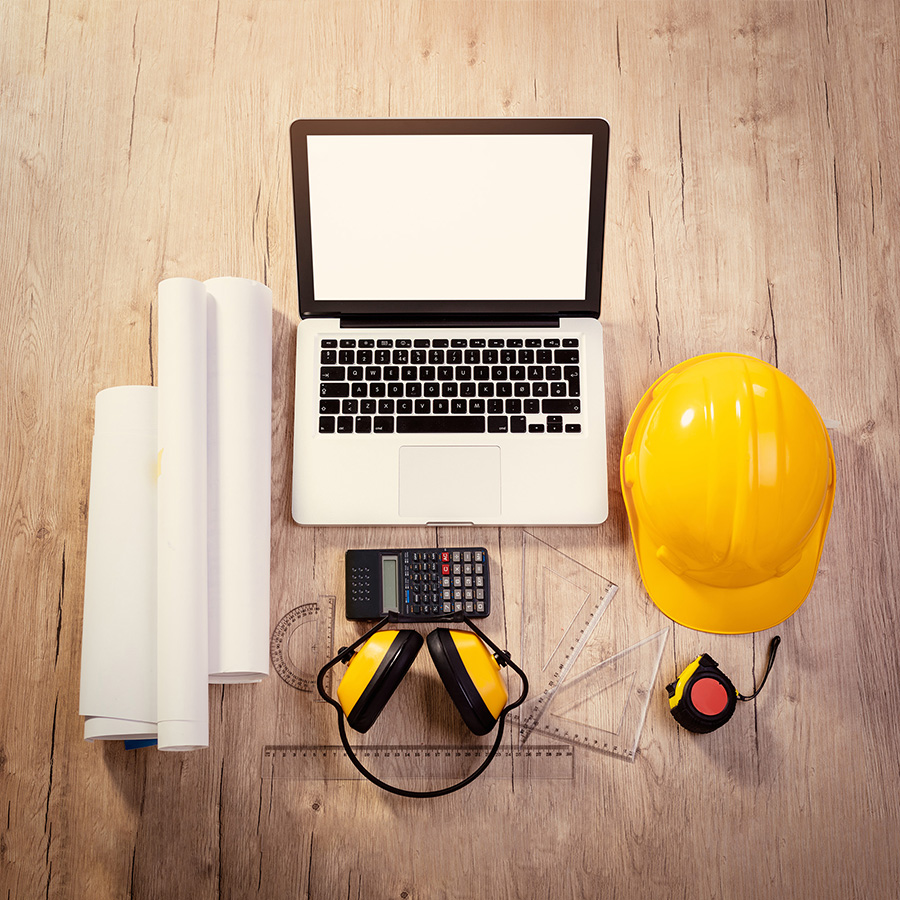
(345, 654)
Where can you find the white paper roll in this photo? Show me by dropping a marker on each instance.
(118, 647)
(97, 728)
(183, 652)
(240, 478)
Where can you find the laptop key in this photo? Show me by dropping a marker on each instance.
(571, 405)
(328, 357)
(498, 424)
(326, 424)
(345, 424)
(334, 389)
(565, 356)
(364, 424)
(532, 406)
(329, 407)
(494, 405)
(517, 424)
(440, 424)
(349, 407)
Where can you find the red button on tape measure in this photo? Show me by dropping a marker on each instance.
(709, 696)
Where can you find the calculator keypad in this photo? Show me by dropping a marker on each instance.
(443, 581)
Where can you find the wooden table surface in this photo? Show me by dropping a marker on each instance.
(753, 207)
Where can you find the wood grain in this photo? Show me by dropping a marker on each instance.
(753, 207)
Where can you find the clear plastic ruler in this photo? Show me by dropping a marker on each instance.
(302, 643)
(590, 687)
(398, 763)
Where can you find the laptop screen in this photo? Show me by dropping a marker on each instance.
(440, 216)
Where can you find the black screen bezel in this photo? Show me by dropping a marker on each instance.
(373, 309)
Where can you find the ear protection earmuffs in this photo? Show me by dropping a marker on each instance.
(468, 669)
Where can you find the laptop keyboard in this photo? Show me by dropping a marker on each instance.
(449, 385)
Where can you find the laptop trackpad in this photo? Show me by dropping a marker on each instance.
(449, 484)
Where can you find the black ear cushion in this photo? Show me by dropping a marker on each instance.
(388, 675)
(459, 684)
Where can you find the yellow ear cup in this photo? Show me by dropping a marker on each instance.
(373, 675)
(471, 675)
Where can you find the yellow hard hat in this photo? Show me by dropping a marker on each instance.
(728, 477)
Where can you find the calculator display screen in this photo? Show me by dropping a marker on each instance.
(389, 593)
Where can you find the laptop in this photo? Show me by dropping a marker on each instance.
(449, 365)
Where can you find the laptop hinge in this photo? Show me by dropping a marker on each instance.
(456, 321)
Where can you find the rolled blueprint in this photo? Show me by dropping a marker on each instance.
(182, 674)
(118, 650)
(239, 359)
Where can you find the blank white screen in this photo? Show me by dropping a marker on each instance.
(449, 217)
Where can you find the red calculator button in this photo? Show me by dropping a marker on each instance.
(445, 569)
(445, 557)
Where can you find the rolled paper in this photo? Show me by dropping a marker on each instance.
(183, 649)
(118, 655)
(97, 728)
(239, 359)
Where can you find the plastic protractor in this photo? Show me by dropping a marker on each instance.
(294, 647)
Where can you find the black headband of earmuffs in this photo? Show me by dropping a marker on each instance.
(345, 654)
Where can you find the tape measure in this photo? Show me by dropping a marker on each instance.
(703, 698)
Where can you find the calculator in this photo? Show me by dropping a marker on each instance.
(418, 585)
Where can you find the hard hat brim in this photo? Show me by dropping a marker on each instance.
(732, 610)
